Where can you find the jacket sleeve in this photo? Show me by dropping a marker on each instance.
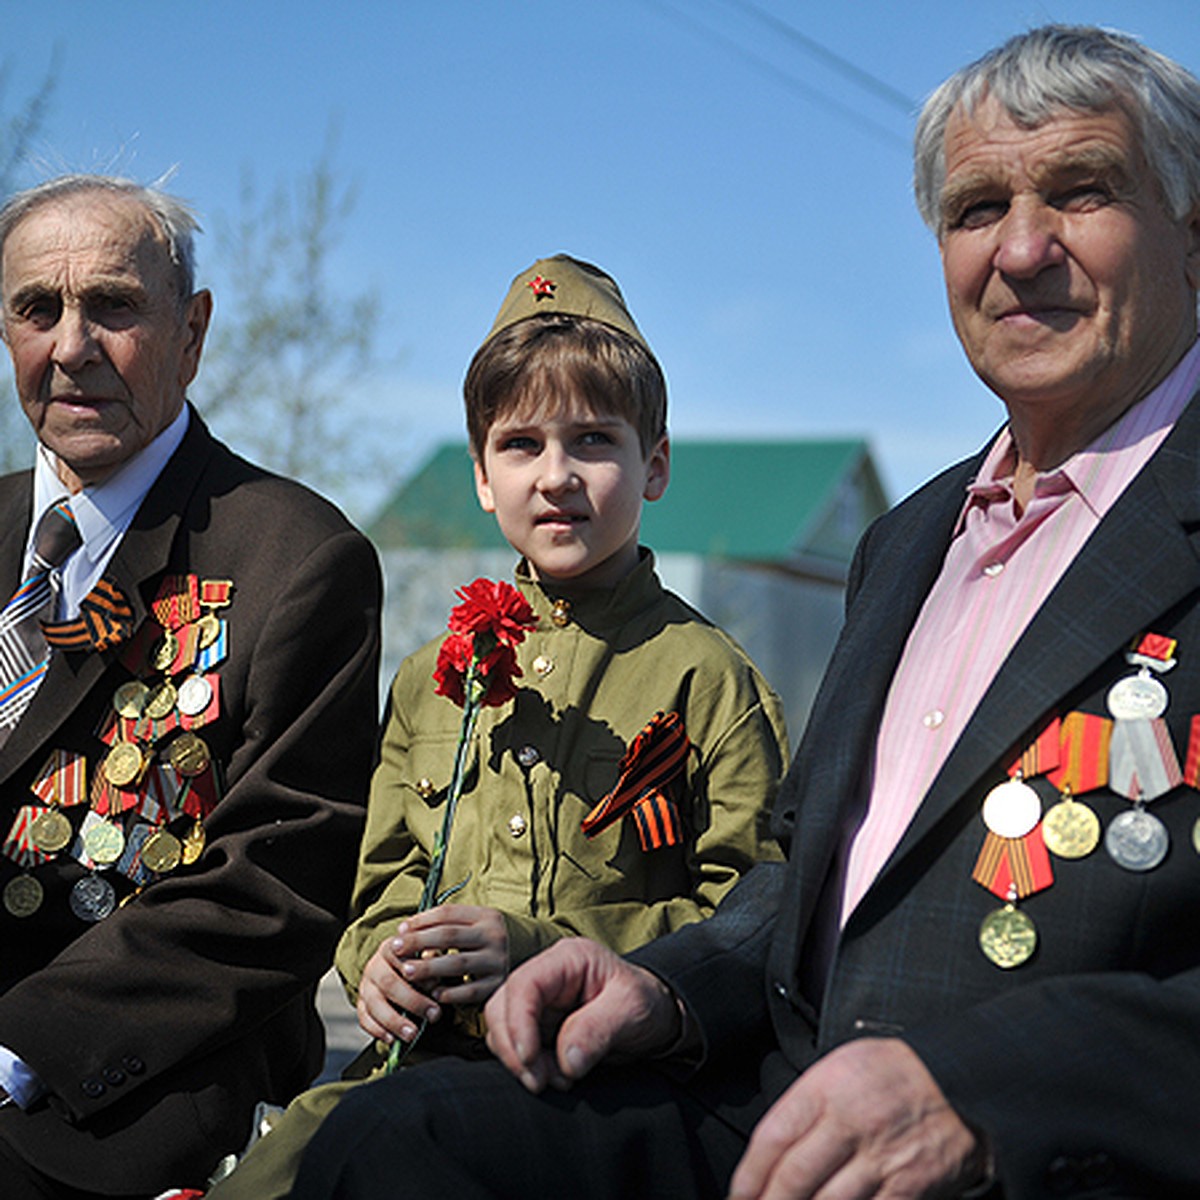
(392, 864)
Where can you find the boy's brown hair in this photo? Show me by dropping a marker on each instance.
(544, 359)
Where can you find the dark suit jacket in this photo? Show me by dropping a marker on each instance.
(1082, 1065)
(157, 1029)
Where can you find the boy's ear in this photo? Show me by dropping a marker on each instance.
(483, 489)
(658, 469)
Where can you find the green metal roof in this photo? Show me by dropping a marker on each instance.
(762, 501)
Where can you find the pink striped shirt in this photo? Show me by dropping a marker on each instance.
(997, 572)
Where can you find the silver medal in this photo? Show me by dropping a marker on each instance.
(195, 695)
(1137, 698)
(1011, 809)
(1136, 840)
(92, 898)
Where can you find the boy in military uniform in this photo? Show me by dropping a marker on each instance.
(566, 409)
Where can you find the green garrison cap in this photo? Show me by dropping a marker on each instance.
(563, 284)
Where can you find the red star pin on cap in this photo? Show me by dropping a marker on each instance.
(541, 286)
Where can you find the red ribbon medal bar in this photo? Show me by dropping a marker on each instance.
(1072, 829)
(653, 761)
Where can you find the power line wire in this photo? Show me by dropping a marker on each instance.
(864, 78)
(813, 94)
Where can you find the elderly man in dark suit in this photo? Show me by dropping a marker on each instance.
(979, 972)
(188, 704)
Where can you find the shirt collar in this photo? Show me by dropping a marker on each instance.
(103, 511)
(1103, 469)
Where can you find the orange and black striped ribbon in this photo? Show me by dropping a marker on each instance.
(105, 619)
(653, 760)
(1013, 868)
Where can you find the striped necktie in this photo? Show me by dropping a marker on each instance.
(23, 652)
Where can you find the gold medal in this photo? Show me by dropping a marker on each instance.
(1196, 836)
(1071, 829)
(23, 896)
(188, 754)
(193, 843)
(162, 852)
(129, 699)
(165, 651)
(123, 764)
(104, 843)
(1007, 936)
(50, 832)
(161, 700)
(209, 627)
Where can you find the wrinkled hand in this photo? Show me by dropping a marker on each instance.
(866, 1120)
(573, 1004)
(451, 954)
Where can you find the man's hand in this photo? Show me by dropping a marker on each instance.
(565, 1009)
(452, 954)
(866, 1120)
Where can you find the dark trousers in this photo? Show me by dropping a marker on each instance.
(470, 1131)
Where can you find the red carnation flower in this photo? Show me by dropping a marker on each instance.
(453, 662)
(497, 608)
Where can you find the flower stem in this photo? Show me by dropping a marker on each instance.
(476, 689)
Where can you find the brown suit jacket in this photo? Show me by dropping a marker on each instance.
(157, 1029)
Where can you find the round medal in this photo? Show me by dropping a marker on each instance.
(130, 699)
(195, 695)
(1012, 809)
(92, 898)
(1196, 836)
(1136, 840)
(1137, 697)
(161, 700)
(209, 627)
(162, 852)
(1007, 937)
(123, 764)
(165, 651)
(23, 896)
(188, 754)
(104, 843)
(1071, 829)
(50, 832)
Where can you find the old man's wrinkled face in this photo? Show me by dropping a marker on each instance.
(1069, 282)
(102, 348)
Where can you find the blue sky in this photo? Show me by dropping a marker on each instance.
(765, 239)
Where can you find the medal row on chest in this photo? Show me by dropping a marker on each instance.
(142, 815)
(1130, 752)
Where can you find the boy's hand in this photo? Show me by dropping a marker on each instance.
(388, 1005)
(456, 953)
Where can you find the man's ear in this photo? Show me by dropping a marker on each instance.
(658, 469)
(196, 316)
(483, 489)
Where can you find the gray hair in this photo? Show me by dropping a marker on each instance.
(174, 218)
(1036, 75)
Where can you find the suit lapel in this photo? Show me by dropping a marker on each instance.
(840, 741)
(1114, 590)
(144, 553)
